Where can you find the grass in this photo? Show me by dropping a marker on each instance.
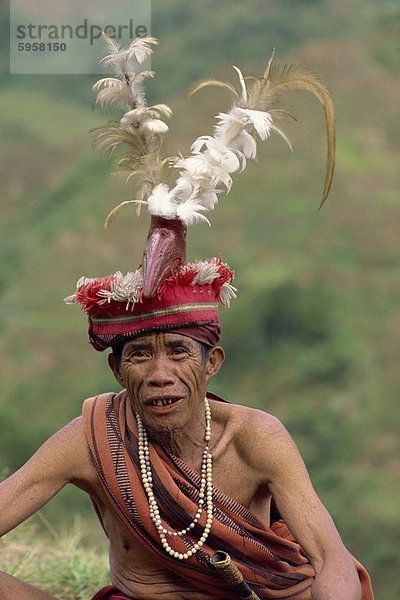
(60, 563)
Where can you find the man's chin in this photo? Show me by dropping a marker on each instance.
(168, 438)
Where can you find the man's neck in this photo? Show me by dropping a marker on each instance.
(187, 443)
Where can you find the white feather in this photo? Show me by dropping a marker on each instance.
(199, 143)
(198, 166)
(118, 61)
(228, 127)
(241, 158)
(123, 288)
(184, 187)
(242, 85)
(246, 144)
(283, 135)
(121, 60)
(162, 109)
(261, 121)
(83, 281)
(208, 271)
(136, 87)
(195, 166)
(107, 82)
(227, 293)
(209, 198)
(140, 48)
(133, 117)
(225, 158)
(144, 75)
(218, 152)
(162, 202)
(189, 212)
(154, 127)
(113, 96)
(112, 45)
(188, 186)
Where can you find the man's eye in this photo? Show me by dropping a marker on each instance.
(179, 351)
(139, 354)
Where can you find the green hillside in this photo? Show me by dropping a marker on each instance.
(314, 334)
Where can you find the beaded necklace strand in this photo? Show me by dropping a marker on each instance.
(205, 491)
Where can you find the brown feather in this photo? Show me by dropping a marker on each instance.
(266, 92)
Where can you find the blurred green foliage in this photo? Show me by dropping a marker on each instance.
(60, 563)
(314, 334)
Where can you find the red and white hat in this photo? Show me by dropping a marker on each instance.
(187, 300)
(166, 293)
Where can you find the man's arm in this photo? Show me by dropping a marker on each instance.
(274, 452)
(63, 458)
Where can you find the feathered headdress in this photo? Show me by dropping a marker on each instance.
(198, 178)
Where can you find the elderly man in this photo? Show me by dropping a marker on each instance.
(174, 472)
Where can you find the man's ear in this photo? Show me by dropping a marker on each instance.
(215, 361)
(114, 366)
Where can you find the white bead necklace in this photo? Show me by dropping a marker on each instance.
(205, 492)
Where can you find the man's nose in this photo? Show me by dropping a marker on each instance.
(160, 374)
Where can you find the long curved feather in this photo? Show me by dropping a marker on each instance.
(267, 91)
(293, 78)
(283, 135)
(199, 85)
(112, 214)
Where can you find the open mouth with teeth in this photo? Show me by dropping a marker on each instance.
(163, 404)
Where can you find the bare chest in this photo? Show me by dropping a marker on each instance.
(231, 476)
(134, 569)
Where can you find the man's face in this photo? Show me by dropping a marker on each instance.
(166, 375)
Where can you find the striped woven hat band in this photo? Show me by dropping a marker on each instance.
(187, 301)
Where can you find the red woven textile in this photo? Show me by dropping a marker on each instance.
(189, 297)
(269, 559)
(180, 307)
(110, 592)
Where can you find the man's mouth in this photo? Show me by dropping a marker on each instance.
(163, 404)
(163, 401)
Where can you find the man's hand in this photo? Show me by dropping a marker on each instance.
(336, 580)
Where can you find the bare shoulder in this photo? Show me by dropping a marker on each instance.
(69, 438)
(63, 458)
(256, 420)
(245, 420)
(82, 468)
(261, 439)
(68, 453)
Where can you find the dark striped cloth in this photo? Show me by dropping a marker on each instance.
(269, 559)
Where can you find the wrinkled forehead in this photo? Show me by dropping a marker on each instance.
(160, 339)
